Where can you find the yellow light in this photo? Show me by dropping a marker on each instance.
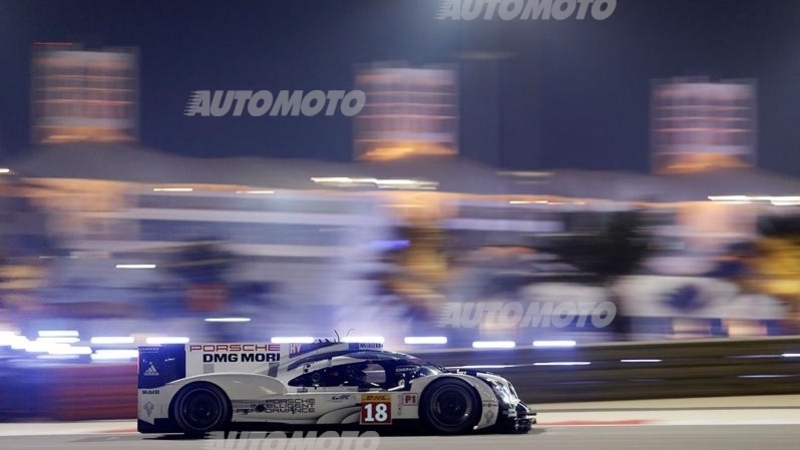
(173, 189)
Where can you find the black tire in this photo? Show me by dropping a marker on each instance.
(201, 408)
(450, 406)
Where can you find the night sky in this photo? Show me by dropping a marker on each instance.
(589, 78)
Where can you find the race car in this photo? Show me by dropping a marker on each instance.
(196, 389)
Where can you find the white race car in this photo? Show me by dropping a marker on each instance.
(199, 388)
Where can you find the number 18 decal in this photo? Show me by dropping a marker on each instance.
(376, 409)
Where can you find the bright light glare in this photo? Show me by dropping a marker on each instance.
(115, 354)
(640, 360)
(167, 340)
(554, 343)
(292, 340)
(494, 344)
(173, 189)
(580, 363)
(426, 340)
(70, 351)
(136, 266)
(364, 339)
(58, 333)
(11, 339)
(58, 340)
(228, 319)
(101, 340)
(43, 347)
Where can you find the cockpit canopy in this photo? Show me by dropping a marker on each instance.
(363, 369)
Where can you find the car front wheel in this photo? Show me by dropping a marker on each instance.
(450, 406)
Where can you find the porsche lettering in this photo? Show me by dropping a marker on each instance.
(229, 348)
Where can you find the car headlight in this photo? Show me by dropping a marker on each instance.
(503, 392)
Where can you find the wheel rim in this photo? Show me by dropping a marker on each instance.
(201, 410)
(451, 407)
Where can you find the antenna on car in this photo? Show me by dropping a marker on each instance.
(338, 338)
(348, 331)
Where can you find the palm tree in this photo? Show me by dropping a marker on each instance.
(605, 255)
(203, 266)
(421, 270)
(26, 247)
(776, 269)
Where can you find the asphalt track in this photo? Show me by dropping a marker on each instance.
(762, 437)
(767, 423)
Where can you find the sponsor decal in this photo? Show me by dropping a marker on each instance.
(369, 346)
(376, 409)
(148, 408)
(151, 392)
(410, 399)
(283, 406)
(341, 398)
(240, 357)
(151, 371)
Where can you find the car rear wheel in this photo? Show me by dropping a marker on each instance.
(450, 406)
(200, 408)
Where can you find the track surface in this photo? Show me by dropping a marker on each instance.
(762, 423)
(762, 437)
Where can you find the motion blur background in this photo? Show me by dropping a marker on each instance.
(646, 160)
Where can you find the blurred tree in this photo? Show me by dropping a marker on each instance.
(27, 248)
(776, 268)
(420, 272)
(615, 249)
(203, 266)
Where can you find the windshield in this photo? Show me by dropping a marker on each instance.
(409, 359)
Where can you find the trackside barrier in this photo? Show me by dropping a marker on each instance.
(713, 368)
(91, 393)
(635, 371)
(64, 392)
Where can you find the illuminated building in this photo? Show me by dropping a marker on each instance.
(84, 95)
(320, 228)
(409, 111)
(697, 124)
